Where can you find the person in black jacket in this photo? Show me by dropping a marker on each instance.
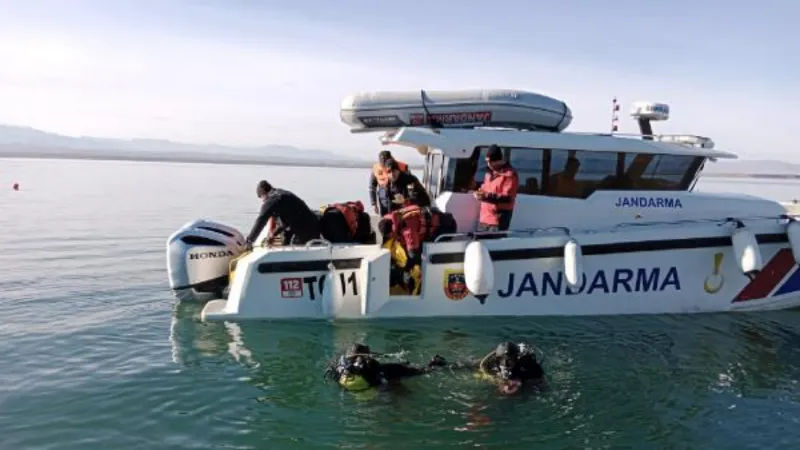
(298, 223)
(510, 366)
(360, 370)
(379, 183)
(404, 188)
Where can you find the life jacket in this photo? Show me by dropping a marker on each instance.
(350, 210)
(415, 225)
(382, 174)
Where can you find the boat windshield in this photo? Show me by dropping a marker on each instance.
(577, 173)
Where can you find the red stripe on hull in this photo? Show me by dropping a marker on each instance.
(769, 277)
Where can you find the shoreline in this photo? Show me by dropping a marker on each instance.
(347, 164)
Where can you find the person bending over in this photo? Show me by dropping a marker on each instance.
(298, 223)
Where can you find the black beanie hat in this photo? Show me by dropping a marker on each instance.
(494, 153)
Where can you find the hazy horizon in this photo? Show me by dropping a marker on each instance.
(27, 142)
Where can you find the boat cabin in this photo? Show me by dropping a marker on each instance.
(566, 179)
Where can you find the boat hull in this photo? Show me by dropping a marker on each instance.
(654, 270)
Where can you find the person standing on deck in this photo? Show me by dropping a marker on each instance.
(409, 227)
(404, 188)
(379, 183)
(498, 192)
(297, 222)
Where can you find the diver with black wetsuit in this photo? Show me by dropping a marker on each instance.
(297, 222)
(511, 365)
(359, 369)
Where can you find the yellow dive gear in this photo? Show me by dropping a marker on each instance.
(400, 257)
(354, 383)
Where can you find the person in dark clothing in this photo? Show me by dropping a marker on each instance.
(512, 365)
(359, 369)
(298, 223)
(379, 183)
(405, 189)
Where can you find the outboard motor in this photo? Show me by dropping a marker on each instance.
(198, 259)
(217, 227)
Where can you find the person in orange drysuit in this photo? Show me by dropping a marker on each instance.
(498, 192)
(410, 226)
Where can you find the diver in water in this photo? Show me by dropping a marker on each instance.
(359, 369)
(511, 365)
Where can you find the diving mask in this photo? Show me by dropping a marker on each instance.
(506, 367)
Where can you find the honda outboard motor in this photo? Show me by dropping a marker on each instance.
(198, 259)
(217, 227)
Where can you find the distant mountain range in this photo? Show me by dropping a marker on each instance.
(29, 142)
(26, 142)
(754, 167)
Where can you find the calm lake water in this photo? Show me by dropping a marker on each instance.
(96, 355)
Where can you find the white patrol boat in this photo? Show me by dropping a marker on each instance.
(603, 224)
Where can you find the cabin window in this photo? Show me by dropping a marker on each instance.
(529, 164)
(466, 174)
(433, 174)
(577, 174)
(662, 172)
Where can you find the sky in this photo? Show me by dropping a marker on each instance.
(263, 72)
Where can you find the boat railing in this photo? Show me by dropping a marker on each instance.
(320, 242)
(449, 237)
(717, 221)
(529, 232)
(389, 133)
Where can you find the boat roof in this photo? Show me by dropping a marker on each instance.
(460, 143)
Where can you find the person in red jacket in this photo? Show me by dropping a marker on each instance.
(498, 192)
(410, 227)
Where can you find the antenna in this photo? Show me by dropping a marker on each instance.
(614, 116)
(644, 112)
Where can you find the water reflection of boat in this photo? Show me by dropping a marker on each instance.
(192, 339)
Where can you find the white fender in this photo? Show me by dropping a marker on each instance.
(331, 298)
(793, 231)
(746, 250)
(478, 270)
(573, 263)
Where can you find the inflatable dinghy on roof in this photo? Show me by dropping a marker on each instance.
(374, 111)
